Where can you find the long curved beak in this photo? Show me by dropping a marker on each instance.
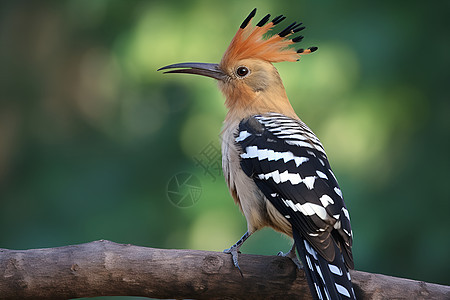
(203, 69)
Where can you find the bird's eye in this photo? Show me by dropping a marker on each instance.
(242, 71)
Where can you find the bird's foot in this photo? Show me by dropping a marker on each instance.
(291, 254)
(234, 251)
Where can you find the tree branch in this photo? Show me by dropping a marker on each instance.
(104, 268)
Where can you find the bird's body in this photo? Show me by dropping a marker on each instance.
(257, 209)
(275, 167)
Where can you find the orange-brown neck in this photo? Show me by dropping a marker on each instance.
(243, 101)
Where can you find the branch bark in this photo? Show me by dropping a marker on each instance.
(104, 268)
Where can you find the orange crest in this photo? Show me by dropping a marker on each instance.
(249, 42)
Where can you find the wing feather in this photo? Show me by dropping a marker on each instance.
(288, 163)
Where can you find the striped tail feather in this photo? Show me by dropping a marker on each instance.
(326, 280)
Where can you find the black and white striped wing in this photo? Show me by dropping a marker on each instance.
(289, 165)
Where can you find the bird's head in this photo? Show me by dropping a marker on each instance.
(245, 74)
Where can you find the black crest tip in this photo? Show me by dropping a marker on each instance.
(300, 50)
(295, 30)
(247, 20)
(297, 25)
(278, 19)
(312, 49)
(287, 30)
(263, 21)
(298, 39)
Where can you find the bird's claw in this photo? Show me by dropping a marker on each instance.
(234, 251)
(293, 257)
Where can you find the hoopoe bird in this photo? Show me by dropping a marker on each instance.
(275, 167)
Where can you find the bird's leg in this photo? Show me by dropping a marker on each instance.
(293, 256)
(234, 250)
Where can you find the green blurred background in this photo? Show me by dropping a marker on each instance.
(91, 134)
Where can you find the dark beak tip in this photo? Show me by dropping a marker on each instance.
(163, 68)
(204, 69)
